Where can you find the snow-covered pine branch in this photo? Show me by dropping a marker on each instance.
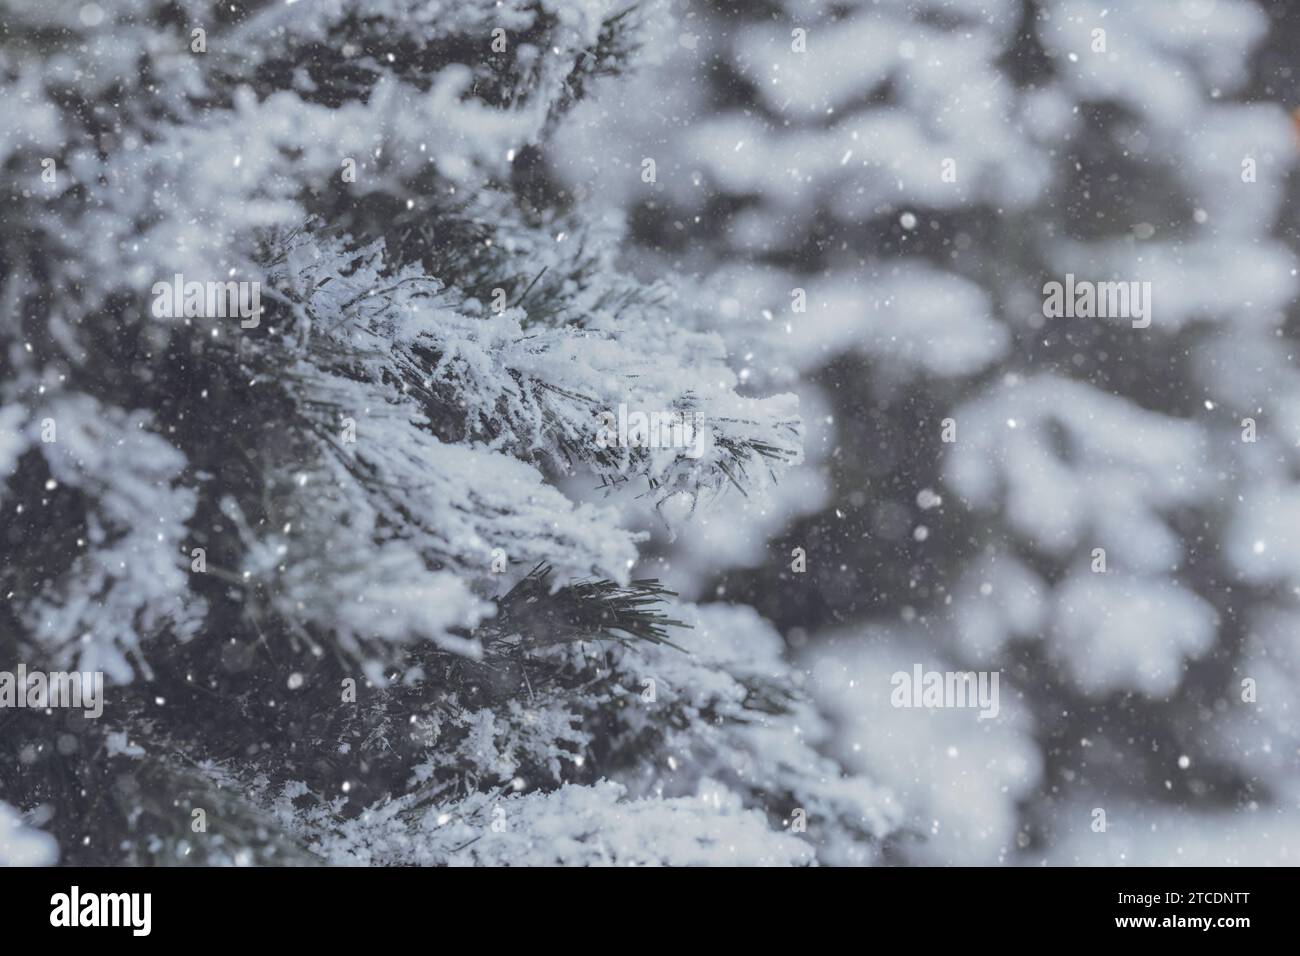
(332, 557)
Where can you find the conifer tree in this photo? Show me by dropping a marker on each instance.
(305, 358)
(876, 195)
